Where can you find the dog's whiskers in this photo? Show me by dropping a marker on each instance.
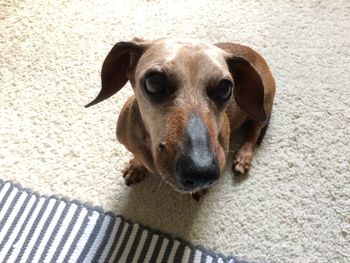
(162, 180)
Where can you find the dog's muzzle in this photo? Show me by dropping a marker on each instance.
(197, 167)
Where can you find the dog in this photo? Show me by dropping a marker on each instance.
(189, 97)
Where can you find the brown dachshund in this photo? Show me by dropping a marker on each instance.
(179, 122)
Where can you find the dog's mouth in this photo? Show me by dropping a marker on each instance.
(187, 188)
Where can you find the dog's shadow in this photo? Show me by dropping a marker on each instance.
(154, 203)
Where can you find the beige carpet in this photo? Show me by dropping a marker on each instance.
(295, 204)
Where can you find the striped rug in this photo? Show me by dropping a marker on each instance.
(36, 228)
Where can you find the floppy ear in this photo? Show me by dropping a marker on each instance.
(119, 61)
(249, 88)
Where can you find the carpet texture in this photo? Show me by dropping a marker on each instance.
(36, 228)
(294, 205)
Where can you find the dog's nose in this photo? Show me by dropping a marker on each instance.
(198, 165)
(196, 173)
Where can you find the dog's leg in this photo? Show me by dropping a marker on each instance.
(243, 158)
(134, 172)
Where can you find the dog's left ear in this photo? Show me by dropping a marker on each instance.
(249, 87)
(122, 58)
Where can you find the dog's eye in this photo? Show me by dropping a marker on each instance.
(155, 84)
(223, 91)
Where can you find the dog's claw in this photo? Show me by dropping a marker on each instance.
(239, 169)
(242, 161)
(134, 172)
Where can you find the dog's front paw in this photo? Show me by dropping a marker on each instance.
(134, 172)
(242, 160)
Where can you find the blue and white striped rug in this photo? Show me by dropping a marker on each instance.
(36, 228)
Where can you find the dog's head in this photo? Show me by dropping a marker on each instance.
(182, 90)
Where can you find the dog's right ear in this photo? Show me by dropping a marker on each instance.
(119, 62)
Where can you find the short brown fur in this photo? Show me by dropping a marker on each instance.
(154, 132)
